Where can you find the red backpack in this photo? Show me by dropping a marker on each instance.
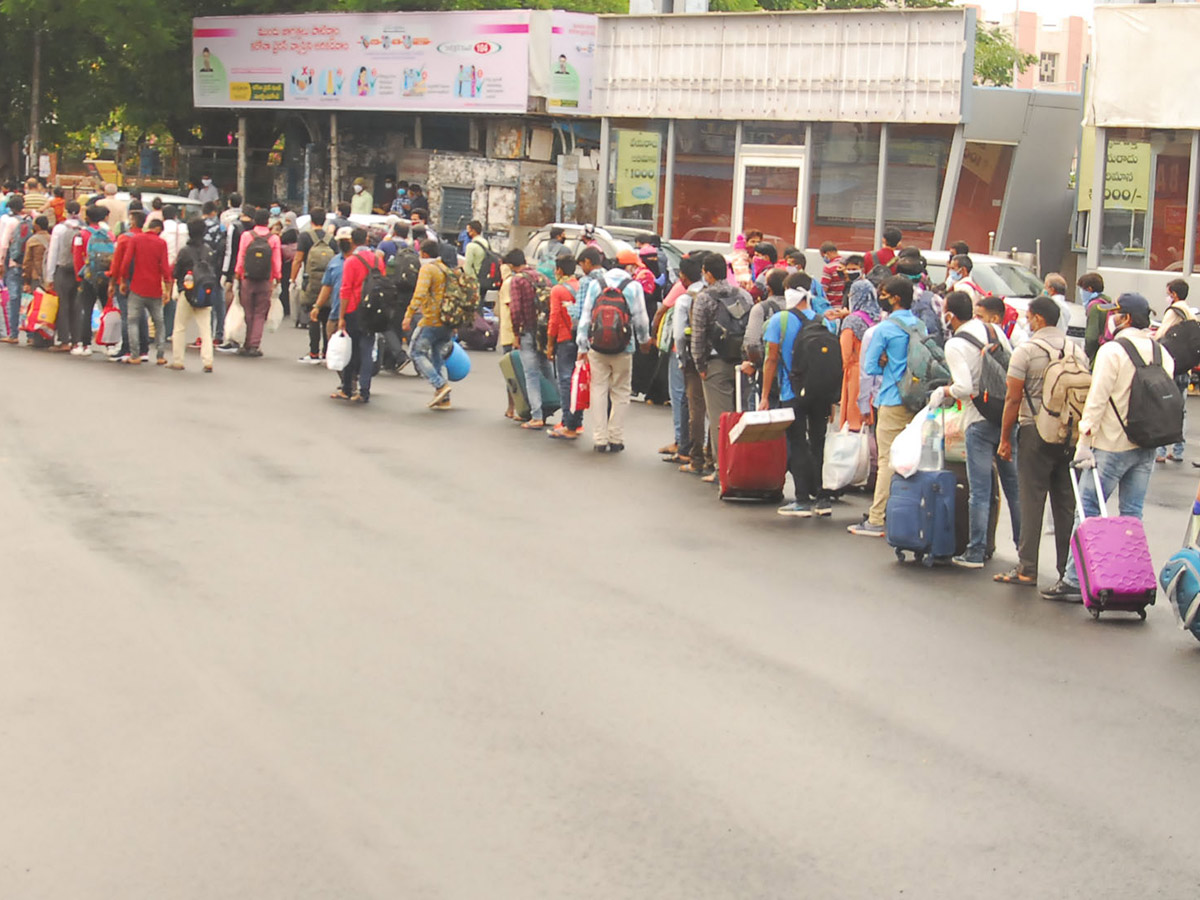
(610, 331)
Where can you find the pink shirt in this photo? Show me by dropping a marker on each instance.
(272, 240)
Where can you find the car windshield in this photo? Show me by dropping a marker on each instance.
(1007, 280)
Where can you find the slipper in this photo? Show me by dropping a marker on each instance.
(339, 395)
(562, 434)
(532, 426)
(509, 414)
(1015, 577)
(669, 450)
(677, 458)
(689, 469)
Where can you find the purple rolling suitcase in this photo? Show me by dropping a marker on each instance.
(1112, 559)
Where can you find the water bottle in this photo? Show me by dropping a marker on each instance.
(933, 456)
(189, 281)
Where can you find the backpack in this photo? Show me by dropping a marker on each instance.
(256, 264)
(404, 269)
(728, 329)
(816, 374)
(16, 249)
(993, 376)
(1065, 385)
(99, 257)
(541, 304)
(666, 331)
(460, 300)
(1182, 341)
(203, 277)
(65, 258)
(316, 261)
(378, 297)
(1155, 403)
(925, 369)
(610, 329)
(489, 269)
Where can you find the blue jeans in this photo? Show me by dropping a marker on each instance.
(218, 315)
(1177, 450)
(1124, 471)
(565, 355)
(679, 407)
(428, 344)
(536, 365)
(14, 280)
(362, 357)
(123, 306)
(983, 440)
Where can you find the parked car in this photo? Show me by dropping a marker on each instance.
(611, 239)
(187, 208)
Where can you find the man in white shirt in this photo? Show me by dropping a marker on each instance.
(175, 233)
(965, 358)
(1104, 443)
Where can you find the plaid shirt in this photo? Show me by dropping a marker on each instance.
(522, 304)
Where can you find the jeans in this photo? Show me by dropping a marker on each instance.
(697, 441)
(318, 334)
(89, 296)
(14, 280)
(1124, 471)
(806, 451)
(536, 365)
(256, 303)
(1043, 470)
(138, 307)
(218, 317)
(983, 440)
(428, 344)
(143, 347)
(565, 355)
(362, 356)
(69, 312)
(1177, 450)
(679, 407)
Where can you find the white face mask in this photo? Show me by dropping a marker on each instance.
(207, 182)
(358, 189)
(387, 184)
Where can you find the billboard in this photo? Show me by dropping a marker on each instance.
(572, 55)
(440, 62)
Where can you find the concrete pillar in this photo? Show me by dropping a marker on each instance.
(1193, 207)
(881, 186)
(1099, 175)
(335, 174)
(241, 156)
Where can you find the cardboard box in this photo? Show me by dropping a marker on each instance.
(761, 425)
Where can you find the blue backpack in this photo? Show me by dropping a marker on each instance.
(1180, 580)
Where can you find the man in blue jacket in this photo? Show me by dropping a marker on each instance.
(887, 355)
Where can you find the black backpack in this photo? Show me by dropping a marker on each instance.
(1182, 341)
(816, 363)
(489, 270)
(256, 265)
(204, 277)
(404, 269)
(1155, 403)
(729, 327)
(993, 377)
(378, 295)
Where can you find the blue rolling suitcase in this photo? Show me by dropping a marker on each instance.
(920, 516)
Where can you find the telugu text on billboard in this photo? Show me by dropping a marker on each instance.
(572, 53)
(446, 62)
(637, 168)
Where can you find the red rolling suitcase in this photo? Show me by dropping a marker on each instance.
(749, 471)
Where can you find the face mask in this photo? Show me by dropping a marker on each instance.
(275, 210)
(207, 182)
(953, 277)
(387, 184)
(853, 275)
(1084, 296)
(358, 189)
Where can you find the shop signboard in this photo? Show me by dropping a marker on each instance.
(1126, 175)
(637, 168)
(445, 62)
(572, 55)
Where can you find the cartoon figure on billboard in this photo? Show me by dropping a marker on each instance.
(365, 85)
(415, 82)
(387, 42)
(366, 42)
(303, 80)
(332, 81)
(408, 42)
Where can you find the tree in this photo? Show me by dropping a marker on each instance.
(997, 57)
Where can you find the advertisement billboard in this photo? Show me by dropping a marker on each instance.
(441, 62)
(572, 54)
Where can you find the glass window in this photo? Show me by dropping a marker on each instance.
(1048, 68)
(703, 180)
(845, 173)
(773, 133)
(916, 159)
(637, 161)
(980, 196)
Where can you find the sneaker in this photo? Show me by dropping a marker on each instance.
(968, 561)
(600, 448)
(403, 365)
(615, 448)
(311, 359)
(85, 351)
(439, 394)
(1160, 459)
(254, 352)
(120, 358)
(579, 430)
(444, 403)
(823, 507)
(1171, 457)
(77, 350)
(799, 510)
(229, 347)
(195, 345)
(866, 529)
(145, 357)
(1062, 592)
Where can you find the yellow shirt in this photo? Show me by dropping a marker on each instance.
(502, 311)
(429, 293)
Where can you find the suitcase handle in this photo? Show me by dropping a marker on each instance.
(1079, 497)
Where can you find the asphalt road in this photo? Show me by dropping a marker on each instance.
(260, 644)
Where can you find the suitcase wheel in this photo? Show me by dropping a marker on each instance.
(900, 555)
(1096, 613)
(1142, 614)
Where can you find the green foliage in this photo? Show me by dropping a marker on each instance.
(996, 57)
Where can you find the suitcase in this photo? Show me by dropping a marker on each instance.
(1112, 559)
(514, 378)
(482, 335)
(749, 471)
(920, 516)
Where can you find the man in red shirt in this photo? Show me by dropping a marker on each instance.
(885, 254)
(118, 292)
(560, 342)
(259, 275)
(362, 361)
(145, 274)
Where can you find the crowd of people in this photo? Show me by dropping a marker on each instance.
(865, 343)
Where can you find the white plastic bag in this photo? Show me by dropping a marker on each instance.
(337, 354)
(847, 460)
(275, 313)
(955, 433)
(235, 322)
(906, 448)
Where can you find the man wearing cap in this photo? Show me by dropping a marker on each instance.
(1124, 467)
(329, 298)
(361, 201)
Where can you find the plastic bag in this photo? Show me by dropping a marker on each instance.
(906, 448)
(235, 322)
(581, 385)
(108, 331)
(955, 434)
(337, 354)
(847, 461)
(275, 313)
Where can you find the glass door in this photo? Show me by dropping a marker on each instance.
(767, 197)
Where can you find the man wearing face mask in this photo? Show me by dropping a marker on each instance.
(207, 192)
(958, 278)
(1104, 443)
(329, 299)
(1090, 294)
(361, 201)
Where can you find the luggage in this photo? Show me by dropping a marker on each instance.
(962, 510)
(921, 516)
(1180, 580)
(483, 334)
(1112, 559)
(458, 362)
(514, 378)
(42, 315)
(749, 471)
(649, 377)
(993, 385)
(108, 332)
(847, 460)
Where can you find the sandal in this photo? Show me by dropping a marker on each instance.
(689, 469)
(509, 414)
(562, 434)
(534, 424)
(677, 458)
(1015, 577)
(339, 395)
(359, 398)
